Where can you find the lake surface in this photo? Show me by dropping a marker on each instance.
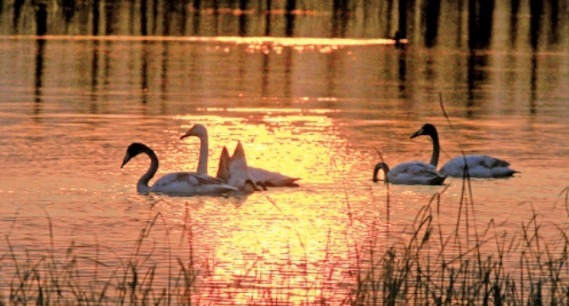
(71, 104)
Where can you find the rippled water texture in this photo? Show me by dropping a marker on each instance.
(315, 109)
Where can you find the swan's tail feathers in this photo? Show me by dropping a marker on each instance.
(503, 172)
(271, 178)
(283, 182)
(501, 168)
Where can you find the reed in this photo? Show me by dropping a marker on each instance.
(481, 268)
(468, 265)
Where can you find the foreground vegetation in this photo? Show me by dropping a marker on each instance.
(467, 266)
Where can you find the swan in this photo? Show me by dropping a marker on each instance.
(178, 183)
(480, 166)
(409, 173)
(234, 170)
(259, 176)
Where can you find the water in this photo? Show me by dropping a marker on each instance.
(71, 105)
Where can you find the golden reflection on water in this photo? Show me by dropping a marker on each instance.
(290, 250)
(294, 238)
(272, 142)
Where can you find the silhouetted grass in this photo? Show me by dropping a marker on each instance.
(464, 266)
(467, 266)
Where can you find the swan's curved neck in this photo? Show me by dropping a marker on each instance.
(204, 149)
(142, 185)
(378, 167)
(436, 149)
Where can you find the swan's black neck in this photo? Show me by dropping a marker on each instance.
(436, 148)
(142, 185)
(376, 169)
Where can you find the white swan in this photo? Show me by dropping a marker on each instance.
(234, 170)
(261, 177)
(178, 183)
(481, 166)
(409, 173)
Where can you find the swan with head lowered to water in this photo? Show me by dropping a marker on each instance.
(480, 166)
(175, 184)
(261, 177)
(234, 171)
(409, 173)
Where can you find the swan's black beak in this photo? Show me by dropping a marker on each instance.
(125, 160)
(417, 134)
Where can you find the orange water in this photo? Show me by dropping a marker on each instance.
(319, 114)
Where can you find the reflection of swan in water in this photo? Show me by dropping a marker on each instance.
(259, 176)
(481, 166)
(179, 183)
(409, 173)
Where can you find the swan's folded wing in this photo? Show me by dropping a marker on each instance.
(190, 183)
(187, 178)
(478, 160)
(424, 172)
(492, 162)
(413, 168)
(169, 179)
(201, 179)
(177, 183)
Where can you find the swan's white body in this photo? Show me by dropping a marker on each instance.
(480, 166)
(410, 173)
(271, 179)
(174, 184)
(186, 184)
(258, 176)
